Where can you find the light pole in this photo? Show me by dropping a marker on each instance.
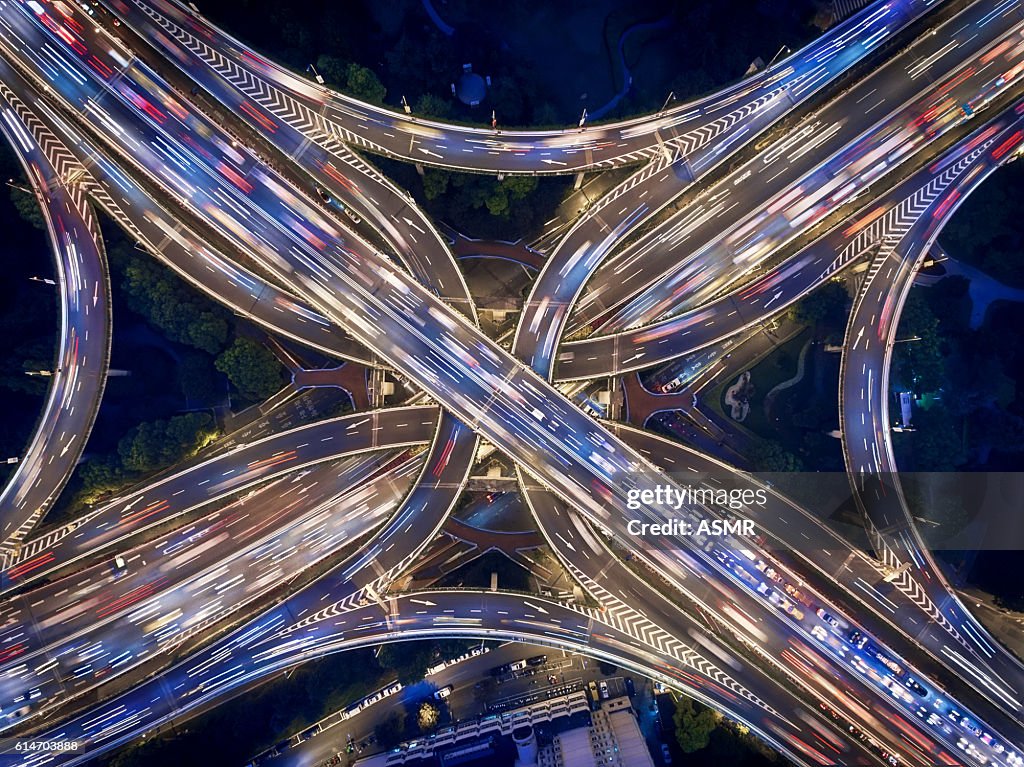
(46, 280)
(12, 459)
(316, 74)
(406, 107)
(671, 97)
(19, 187)
(583, 119)
(785, 48)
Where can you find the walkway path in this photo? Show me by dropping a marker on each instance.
(769, 398)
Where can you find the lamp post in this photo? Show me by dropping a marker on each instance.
(785, 48)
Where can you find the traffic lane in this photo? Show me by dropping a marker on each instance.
(632, 287)
(446, 469)
(780, 287)
(391, 303)
(187, 252)
(222, 475)
(543, 151)
(343, 174)
(620, 592)
(867, 446)
(446, 458)
(558, 287)
(215, 583)
(76, 385)
(465, 614)
(803, 540)
(86, 600)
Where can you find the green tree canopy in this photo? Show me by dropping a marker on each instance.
(826, 306)
(28, 208)
(252, 369)
(694, 724)
(429, 105)
(182, 314)
(771, 456)
(390, 729)
(154, 445)
(364, 84)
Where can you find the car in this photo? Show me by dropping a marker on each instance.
(666, 755)
(603, 685)
(857, 639)
(119, 565)
(819, 633)
(306, 735)
(915, 687)
(630, 687)
(443, 693)
(537, 660)
(827, 617)
(323, 195)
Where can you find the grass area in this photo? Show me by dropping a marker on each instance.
(773, 369)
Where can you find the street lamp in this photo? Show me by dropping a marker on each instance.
(785, 48)
(46, 280)
(583, 119)
(406, 107)
(19, 187)
(316, 74)
(12, 459)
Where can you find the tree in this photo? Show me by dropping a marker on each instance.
(936, 440)
(101, 474)
(435, 182)
(332, 69)
(198, 379)
(694, 724)
(429, 105)
(28, 208)
(154, 445)
(166, 302)
(920, 361)
(607, 668)
(771, 456)
(826, 306)
(390, 729)
(252, 369)
(950, 302)
(364, 84)
(409, 662)
(427, 717)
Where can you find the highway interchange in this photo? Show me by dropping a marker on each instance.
(98, 116)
